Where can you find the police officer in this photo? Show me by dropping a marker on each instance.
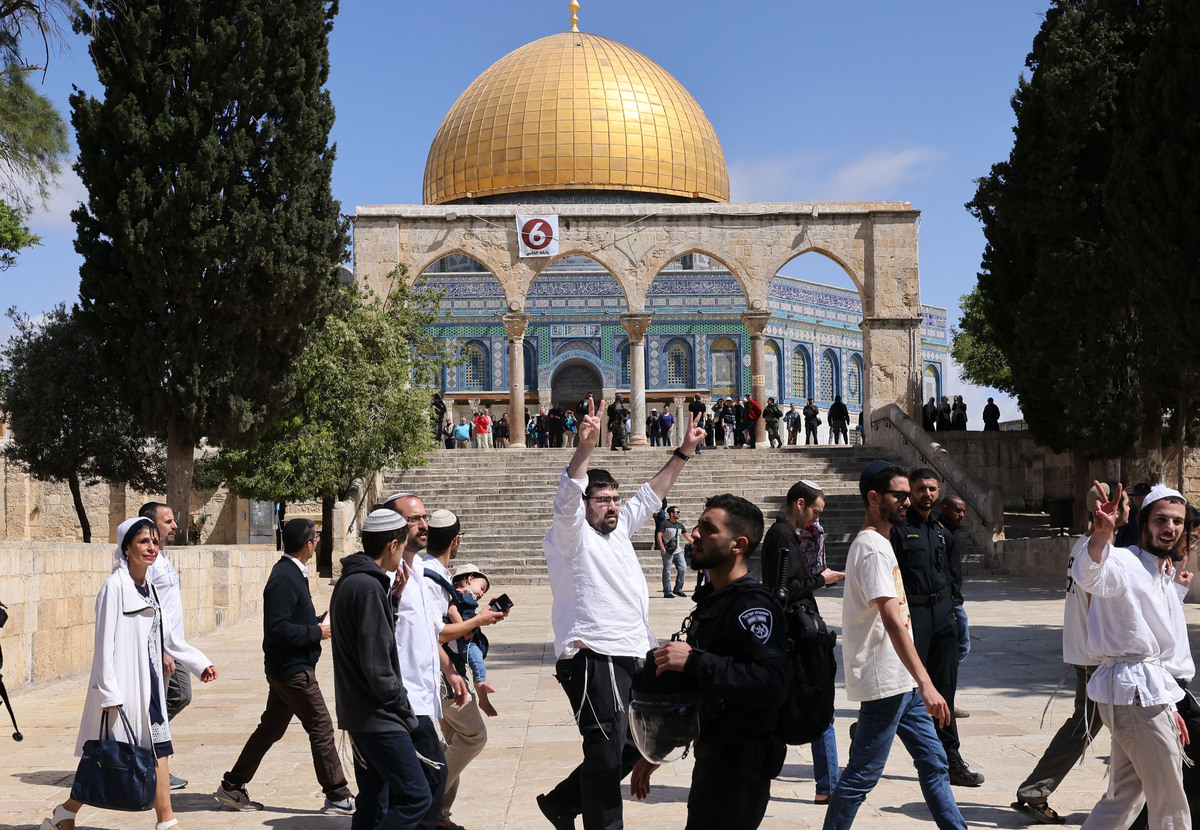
(616, 423)
(926, 551)
(737, 753)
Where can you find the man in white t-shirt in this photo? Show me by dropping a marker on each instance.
(1136, 630)
(882, 665)
(601, 617)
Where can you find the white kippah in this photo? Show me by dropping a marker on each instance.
(442, 518)
(383, 519)
(395, 496)
(811, 484)
(1159, 491)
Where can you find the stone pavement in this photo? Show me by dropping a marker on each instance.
(1014, 666)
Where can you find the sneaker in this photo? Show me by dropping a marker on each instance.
(559, 822)
(962, 776)
(680, 594)
(345, 807)
(961, 713)
(178, 783)
(235, 799)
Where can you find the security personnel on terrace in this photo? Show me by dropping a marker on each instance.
(925, 551)
(735, 657)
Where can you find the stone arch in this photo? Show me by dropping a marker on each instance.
(858, 279)
(595, 256)
(544, 276)
(568, 374)
(433, 279)
(655, 265)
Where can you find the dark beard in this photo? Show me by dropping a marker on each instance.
(1172, 553)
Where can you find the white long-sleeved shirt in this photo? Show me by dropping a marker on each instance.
(417, 627)
(165, 579)
(1136, 628)
(600, 597)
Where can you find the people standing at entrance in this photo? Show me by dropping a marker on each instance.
(929, 415)
(617, 413)
(652, 434)
(668, 538)
(437, 416)
(601, 617)
(798, 535)
(483, 429)
(943, 415)
(792, 420)
(292, 637)
(771, 414)
(839, 421)
(991, 416)
(462, 434)
(958, 414)
(698, 413)
(182, 660)
(666, 423)
(751, 412)
(882, 665)
(503, 431)
(555, 425)
(729, 423)
(812, 420)
(930, 565)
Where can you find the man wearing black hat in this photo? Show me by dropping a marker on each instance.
(372, 703)
(292, 638)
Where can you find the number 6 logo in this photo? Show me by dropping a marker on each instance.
(537, 234)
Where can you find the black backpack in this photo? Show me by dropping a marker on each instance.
(812, 667)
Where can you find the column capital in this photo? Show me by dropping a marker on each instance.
(635, 324)
(756, 321)
(515, 323)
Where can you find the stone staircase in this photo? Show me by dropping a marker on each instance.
(503, 497)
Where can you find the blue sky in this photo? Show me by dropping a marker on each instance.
(873, 100)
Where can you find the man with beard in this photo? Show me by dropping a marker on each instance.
(735, 656)
(882, 664)
(1136, 630)
(932, 570)
(601, 617)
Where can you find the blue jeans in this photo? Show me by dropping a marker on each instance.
(675, 559)
(393, 793)
(964, 632)
(879, 722)
(825, 761)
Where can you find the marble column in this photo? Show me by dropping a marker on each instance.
(635, 325)
(680, 411)
(756, 322)
(515, 324)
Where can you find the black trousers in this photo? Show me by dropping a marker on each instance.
(429, 746)
(593, 788)
(1067, 745)
(721, 799)
(936, 639)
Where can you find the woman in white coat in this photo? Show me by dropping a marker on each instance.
(127, 666)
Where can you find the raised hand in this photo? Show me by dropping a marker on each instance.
(695, 435)
(589, 427)
(1104, 518)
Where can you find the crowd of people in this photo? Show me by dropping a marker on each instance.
(405, 624)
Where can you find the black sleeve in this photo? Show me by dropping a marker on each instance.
(799, 584)
(757, 674)
(281, 605)
(954, 563)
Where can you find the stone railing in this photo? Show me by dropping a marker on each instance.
(50, 589)
(892, 430)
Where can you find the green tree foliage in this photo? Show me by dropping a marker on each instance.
(1052, 301)
(69, 421)
(14, 236)
(974, 345)
(361, 403)
(33, 136)
(210, 234)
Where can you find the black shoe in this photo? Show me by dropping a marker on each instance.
(680, 594)
(853, 729)
(962, 776)
(668, 595)
(559, 822)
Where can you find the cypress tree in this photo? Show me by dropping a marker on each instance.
(210, 234)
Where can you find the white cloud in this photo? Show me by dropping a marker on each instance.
(55, 215)
(806, 177)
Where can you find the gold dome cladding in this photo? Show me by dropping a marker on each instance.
(575, 111)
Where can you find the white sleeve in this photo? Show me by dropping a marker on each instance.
(1104, 578)
(108, 612)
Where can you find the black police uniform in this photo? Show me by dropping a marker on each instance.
(739, 662)
(925, 550)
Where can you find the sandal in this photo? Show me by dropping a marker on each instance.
(1040, 813)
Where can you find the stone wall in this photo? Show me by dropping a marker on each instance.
(50, 590)
(1012, 463)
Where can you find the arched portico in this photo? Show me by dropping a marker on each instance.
(874, 242)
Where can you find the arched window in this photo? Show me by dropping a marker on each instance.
(854, 382)
(623, 363)
(829, 377)
(531, 367)
(932, 383)
(678, 359)
(800, 374)
(475, 366)
(725, 373)
(771, 369)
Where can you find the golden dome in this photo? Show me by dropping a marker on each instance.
(575, 111)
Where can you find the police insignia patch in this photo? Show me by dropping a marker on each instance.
(758, 622)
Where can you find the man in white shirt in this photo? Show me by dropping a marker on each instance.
(422, 661)
(1136, 630)
(181, 659)
(601, 617)
(882, 664)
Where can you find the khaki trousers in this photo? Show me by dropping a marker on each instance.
(1145, 768)
(463, 737)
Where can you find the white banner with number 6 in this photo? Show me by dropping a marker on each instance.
(537, 235)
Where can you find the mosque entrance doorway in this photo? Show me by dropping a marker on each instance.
(573, 381)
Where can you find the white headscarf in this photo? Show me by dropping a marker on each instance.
(123, 532)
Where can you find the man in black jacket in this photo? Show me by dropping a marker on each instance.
(735, 656)
(292, 638)
(372, 704)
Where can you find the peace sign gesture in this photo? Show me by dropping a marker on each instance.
(1104, 518)
(589, 427)
(695, 434)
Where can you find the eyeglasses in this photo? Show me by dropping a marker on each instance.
(613, 500)
(416, 520)
(900, 495)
